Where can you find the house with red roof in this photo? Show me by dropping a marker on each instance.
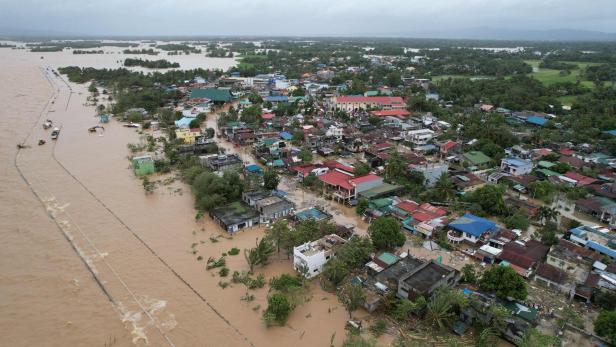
(346, 187)
(399, 113)
(350, 103)
(449, 148)
(576, 179)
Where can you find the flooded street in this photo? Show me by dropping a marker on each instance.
(92, 260)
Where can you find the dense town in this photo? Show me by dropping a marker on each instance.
(445, 188)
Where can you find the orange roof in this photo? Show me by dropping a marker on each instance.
(394, 113)
(383, 100)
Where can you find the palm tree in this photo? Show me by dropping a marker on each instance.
(440, 309)
(444, 187)
(546, 214)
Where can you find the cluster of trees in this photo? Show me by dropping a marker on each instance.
(148, 51)
(151, 64)
(468, 61)
(178, 47)
(211, 190)
(79, 51)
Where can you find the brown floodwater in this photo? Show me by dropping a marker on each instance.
(90, 259)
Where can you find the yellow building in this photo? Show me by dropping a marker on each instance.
(188, 135)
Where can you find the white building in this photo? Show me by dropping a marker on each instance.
(516, 166)
(419, 137)
(312, 256)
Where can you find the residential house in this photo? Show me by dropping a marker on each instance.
(222, 162)
(516, 166)
(467, 182)
(431, 171)
(470, 228)
(602, 208)
(553, 277)
(216, 95)
(188, 136)
(235, 216)
(314, 213)
(419, 137)
(309, 258)
(398, 113)
(345, 187)
(449, 148)
(523, 257)
(357, 103)
(574, 259)
(425, 279)
(143, 165)
(477, 159)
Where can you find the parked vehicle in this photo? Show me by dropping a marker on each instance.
(55, 133)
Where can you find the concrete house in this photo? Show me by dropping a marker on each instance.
(425, 279)
(273, 207)
(516, 166)
(419, 137)
(470, 228)
(312, 256)
(222, 162)
(235, 216)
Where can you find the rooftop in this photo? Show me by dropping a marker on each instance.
(472, 225)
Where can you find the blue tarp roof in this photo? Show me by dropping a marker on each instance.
(286, 135)
(253, 168)
(277, 98)
(472, 225)
(611, 132)
(184, 122)
(601, 249)
(579, 231)
(517, 161)
(536, 120)
(311, 213)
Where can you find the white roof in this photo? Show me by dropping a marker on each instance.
(491, 250)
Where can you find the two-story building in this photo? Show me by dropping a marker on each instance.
(516, 166)
(309, 258)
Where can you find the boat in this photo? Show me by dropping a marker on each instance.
(41, 142)
(94, 128)
(48, 123)
(132, 125)
(55, 133)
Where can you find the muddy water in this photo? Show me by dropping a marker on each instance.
(94, 261)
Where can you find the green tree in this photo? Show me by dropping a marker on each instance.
(92, 88)
(468, 274)
(278, 309)
(606, 299)
(361, 169)
(386, 234)
(259, 255)
(351, 296)
(490, 198)
(356, 252)
(270, 179)
(534, 338)
(278, 232)
(518, 220)
(362, 206)
(605, 325)
(504, 281)
(305, 155)
(440, 310)
(335, 271)
(546, 214)
(404, 308)
(298, 137)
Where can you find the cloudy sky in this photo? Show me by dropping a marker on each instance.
(302, 17)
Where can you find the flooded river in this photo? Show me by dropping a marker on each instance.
(90, 260)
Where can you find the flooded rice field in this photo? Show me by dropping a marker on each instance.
(90, 260)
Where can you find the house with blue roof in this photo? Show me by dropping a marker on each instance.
(516, 166)
(610, 132)
(286, 136)
(534, 120)
(470, 228)
(183, 122)
(274, 99)
(605, 250)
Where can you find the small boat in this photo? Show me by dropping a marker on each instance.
(55, 133)
(132, 125)
(47, 124)
(41, 142)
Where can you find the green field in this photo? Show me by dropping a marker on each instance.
(550, 76)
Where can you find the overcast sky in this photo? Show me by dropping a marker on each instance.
(302, 17)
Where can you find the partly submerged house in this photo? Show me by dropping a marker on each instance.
(143, 165)
(235, 216)
(309, 258)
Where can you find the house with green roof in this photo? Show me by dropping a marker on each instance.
(477, 158)
(217, 95)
